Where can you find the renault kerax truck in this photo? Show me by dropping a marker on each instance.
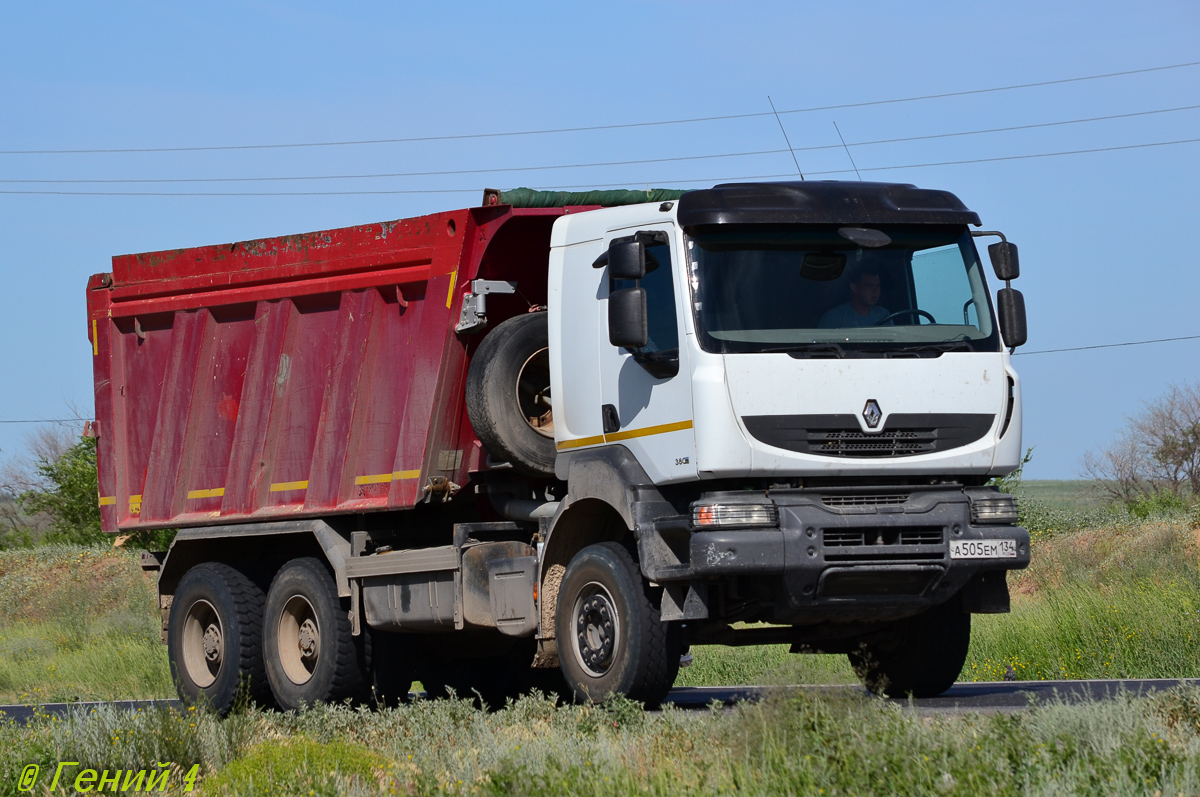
(557, 441)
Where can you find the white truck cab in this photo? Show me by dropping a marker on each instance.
(794, 395)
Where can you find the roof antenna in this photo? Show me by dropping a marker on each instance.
(785, 137)
(848, 155)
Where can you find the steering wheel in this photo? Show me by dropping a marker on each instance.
(910, 311)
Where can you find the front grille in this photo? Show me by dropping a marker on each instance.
(883, 543)
(855, 443)
(878, 499)
(882, 536)
(902, 435)
(921, 537)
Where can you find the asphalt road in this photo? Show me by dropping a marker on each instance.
(985, 697)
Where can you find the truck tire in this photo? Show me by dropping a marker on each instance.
(309, 652)
(214, 638)
(610, 638)
(508, 394)
(924, 658)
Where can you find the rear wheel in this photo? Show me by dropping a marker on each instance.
(508, 394)
(214, 637)
(610, 637)
(309, 652)
(923, 658)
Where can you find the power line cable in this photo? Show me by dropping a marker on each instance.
(635, 183)
(588, 128)
(1016, 127)
(1110, 345)
(1023, 157)
(596, 164)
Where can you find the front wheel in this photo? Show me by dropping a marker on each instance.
(922, 659)
(611, 639)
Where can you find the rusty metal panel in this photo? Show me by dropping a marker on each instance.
(291, 377)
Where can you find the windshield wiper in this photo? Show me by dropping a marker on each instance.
(809, 349)
(954, 345)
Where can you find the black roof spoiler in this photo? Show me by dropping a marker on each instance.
(822, 202)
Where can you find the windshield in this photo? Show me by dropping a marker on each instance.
(759, 288)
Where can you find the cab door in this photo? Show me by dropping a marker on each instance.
(646, 398)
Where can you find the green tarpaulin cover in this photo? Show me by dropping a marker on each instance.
(529, 198)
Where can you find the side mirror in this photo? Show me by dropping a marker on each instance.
(1011, 307)
(1004, 260)
(627, 327)
(627, 260)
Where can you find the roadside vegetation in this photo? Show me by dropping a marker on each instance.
(790, 744)
(78, 623)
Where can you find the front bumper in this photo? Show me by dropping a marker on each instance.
(851, 555)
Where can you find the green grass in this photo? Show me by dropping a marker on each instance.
(1121, 601)
(78, 623)
(1064, 495)
(792, 744)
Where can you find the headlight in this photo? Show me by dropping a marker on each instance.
(734, 515)
(993, 509)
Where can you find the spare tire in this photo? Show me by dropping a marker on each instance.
(508, 394)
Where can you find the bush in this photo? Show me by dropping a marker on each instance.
(70, 495)
(54, 497)
(1157, 502)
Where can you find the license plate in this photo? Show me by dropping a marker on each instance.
(983, 549)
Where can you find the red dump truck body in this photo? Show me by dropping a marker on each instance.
(299, 376)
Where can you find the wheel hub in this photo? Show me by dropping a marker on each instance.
(212, 643)
(310, 641)
(202, 643)
(533, 393)
(596, 632)
(298, 638)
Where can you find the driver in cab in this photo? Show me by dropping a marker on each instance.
(863, 309)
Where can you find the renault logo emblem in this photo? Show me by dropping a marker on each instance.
(872, 413)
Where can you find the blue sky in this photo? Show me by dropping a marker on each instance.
(1107, 239)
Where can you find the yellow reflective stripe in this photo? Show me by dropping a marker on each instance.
(135, 505)
(582, 441)
(282, 487)
(215, 492)
(649, 430)
(108, 500)
(384, 478)
(450, 293)
(95, 343)
(626, 435)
